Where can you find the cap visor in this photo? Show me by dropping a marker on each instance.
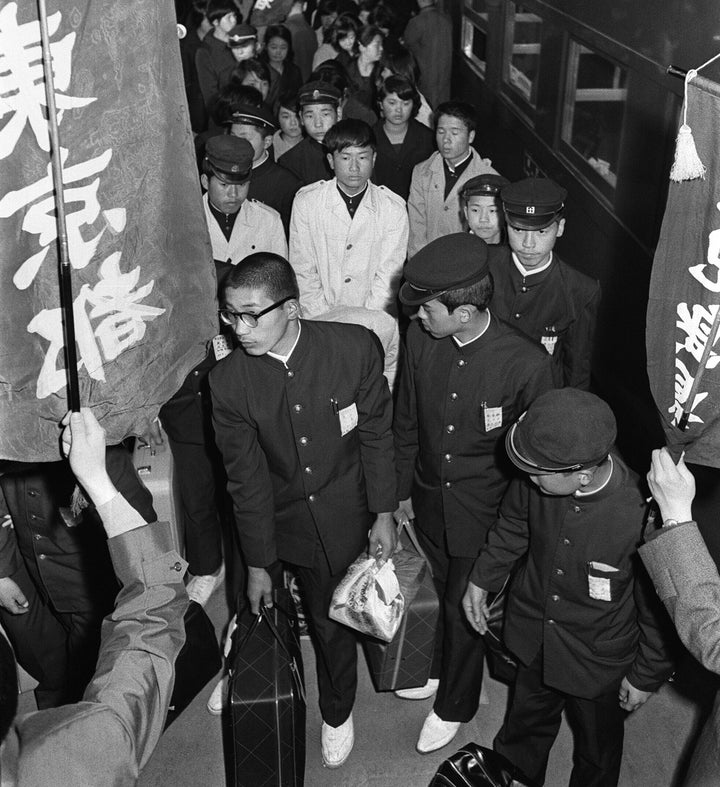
(415, 296)
(530, 222)
(519, 462)
(231, 177)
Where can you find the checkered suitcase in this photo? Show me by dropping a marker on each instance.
(405, 661)
(267, 698)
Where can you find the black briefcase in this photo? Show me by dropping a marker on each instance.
(500, 660)
(267, 698)
(476, 766)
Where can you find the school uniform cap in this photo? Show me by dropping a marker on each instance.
(318, 93)
(563, 430)
(230, 158)
(533, 203)
(488, 185)
(248, 115)
(447, 263)
(241, 35)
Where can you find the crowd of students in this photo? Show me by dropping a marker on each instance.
(338, 223)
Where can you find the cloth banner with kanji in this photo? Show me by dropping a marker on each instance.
(685, 292)
(143, 280)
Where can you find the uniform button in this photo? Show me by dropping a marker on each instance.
(448, 457)
(577, 509)
(199, 393)
(298, 408)
(523, 289)
(516, 315)
(555, 598)
(559, 572)
(37, 536)
(308, 470)
(196, 372)
(32, 493)
(551, 622)
(566, 541)
(291, 373)
(448, 485)
(33, 517)
(449, 428)
(177, 566)
(303, 441)
(453, 396)
(348, 280)
(312, 498)
(42, 557)
(461, 362)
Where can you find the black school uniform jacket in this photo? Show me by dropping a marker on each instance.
(394, 165)
(454, 406)
(556, 308)
(596, 625)
(294, 473)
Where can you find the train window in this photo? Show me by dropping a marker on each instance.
(474, 34)
(523, 36)
(592, 121)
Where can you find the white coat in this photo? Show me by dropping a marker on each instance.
(341, 261)
(432, 216)
(258, 227)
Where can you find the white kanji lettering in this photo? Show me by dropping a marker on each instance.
(115, 300)
(696, 324)
(683, 383)
(262, 5)
(22, 84)
(708, 274)
(40, 219)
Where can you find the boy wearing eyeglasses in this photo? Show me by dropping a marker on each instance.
(581, 617)
(237, 226)
(302, 416)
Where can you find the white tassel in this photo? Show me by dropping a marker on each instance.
(687, 164)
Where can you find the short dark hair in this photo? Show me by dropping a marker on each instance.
(460, 110)
(252, 65)
(349, 133)
(233, 95)
(478, 294)
(8, 687)
(344, 24)
(264, 271)
(401, 62)
(368, 33)
(288, 100)
(402, 87)
(334, 73)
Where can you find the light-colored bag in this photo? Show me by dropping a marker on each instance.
(369, 599)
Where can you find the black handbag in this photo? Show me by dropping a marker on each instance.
(501, 663)
(476, 766)
(197, 663)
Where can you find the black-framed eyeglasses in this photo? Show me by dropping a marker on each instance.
(230, 317)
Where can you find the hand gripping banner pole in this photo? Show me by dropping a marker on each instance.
(66, 296)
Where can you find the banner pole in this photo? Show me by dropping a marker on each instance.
(66, 295)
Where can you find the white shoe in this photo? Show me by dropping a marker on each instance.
(337, 743)
(218, 698)
(436, 733)
(419, 692)
(200, 588)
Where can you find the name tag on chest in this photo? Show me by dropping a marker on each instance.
(221, 346)
(493, 417)
(348, 419)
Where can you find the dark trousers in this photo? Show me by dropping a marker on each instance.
(198, 470)
(533, 721)
(335, 644)
(459, 651)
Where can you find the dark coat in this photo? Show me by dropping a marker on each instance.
(275, 186)
(307, 161)
(556, 308)
(394, 166)
(449, 453)
(293, 476)
(429, 37)
(594, 626)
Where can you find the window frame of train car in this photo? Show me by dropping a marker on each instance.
(525, 98)
(475, 20)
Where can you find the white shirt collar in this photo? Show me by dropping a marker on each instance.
(261, 160)
(453, 167)
(285, 358)
(475, 338)
(580, 493)
(525, 272)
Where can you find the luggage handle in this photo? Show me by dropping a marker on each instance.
(409, 528)
(264, 615)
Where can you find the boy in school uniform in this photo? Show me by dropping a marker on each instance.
(548, 300)
(580, 616)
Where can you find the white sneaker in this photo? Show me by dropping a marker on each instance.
(219, 696)
(200, 588)
(419, 692)
(436, 733)
(337, 743)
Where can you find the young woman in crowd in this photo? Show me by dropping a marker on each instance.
(364, 70)
(341, 46)
(402, 142)
(398, 60)
(290, 131)
(285, 76)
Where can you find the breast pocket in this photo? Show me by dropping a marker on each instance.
(605, 582)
